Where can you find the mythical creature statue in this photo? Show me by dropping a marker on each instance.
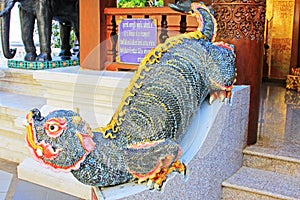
(141, 142)
(64, 11)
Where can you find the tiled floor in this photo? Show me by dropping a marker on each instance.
(279, 130)
(5, 180)
(10, 179)
(279, 124)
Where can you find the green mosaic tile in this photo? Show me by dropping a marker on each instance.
(21, 64)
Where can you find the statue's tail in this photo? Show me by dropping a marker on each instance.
(205, 16)
(207, 22)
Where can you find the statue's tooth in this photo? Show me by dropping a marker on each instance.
(39, 152)
(213, 96)
(222, 95)
(25, 122)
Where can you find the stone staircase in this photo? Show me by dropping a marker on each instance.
(19, 81)
(271, 168)
(18, 94)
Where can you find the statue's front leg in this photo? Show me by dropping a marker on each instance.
(76, 30)
(153, 161)
(65, 31)
(44, 19)
(27, 21)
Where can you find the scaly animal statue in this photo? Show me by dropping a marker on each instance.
(141, 142)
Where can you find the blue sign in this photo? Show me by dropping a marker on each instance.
(136, 38)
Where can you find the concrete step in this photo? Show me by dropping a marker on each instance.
(249, 183)
(13, 108)
(13, 149)
(96, 94)
(20, 82)
(281, 158)
(271, 167)
(17, 104)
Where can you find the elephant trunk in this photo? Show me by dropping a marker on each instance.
(5, 27)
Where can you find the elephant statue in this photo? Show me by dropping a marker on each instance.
(42, 11)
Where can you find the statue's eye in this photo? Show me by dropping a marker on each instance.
(54, 127)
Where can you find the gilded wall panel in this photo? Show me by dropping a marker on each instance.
(279, 36)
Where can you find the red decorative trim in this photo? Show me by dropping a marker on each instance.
(144, 144)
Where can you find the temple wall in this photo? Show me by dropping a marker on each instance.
(279, 31)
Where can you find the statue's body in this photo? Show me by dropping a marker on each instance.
(142, 139)
(64, 11)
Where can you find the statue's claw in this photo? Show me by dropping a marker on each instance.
(212, 97)
(149, 183)
(152, 162)
(180, 167)
(228, 94)
(156, 180)
(223, 96)
(228, 97)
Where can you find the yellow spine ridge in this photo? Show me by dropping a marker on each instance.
(108, 135)
(112, 125)
(136, 85)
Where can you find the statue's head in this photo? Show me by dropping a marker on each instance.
(222, 71)
(61, 140)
